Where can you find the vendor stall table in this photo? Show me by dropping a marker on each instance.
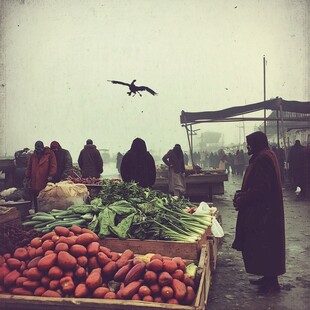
(22, 207)
(202, 185)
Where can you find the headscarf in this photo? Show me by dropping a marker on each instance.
(55, 146)
(258, 142)
(178, 151)
(39, 148)
(138, 147)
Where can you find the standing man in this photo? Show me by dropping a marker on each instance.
(297, 165)
(174, 159)
(42, 166)
(260, 234)
(90, 161)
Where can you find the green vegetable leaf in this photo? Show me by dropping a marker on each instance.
(106, 218)
(123, 226)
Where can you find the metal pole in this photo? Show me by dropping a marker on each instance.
(264, 68)
(189, 139)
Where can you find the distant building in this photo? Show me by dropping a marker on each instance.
(290, 128)
(208, 140)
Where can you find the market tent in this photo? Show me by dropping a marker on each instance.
(300, 110)
(229, 114)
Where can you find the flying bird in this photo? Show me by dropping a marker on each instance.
(133, 89)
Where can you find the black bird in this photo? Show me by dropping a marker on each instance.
(134, 89)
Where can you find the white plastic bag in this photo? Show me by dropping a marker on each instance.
(61, 196)
(204, 208)
(217, 229)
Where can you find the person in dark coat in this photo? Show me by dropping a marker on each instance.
(260, 233)
(90, 161)
(174, 159)
(42, 167)
(297, 165)
(64, 162)
(21, 162)
(138, 165)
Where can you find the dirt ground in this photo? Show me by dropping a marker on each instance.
(230, 287)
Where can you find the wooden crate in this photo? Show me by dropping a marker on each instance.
(215, 244)
(186, 250)
(11, 217)
(22, 207)
(14, 302)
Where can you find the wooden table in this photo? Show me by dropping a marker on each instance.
(201, 185)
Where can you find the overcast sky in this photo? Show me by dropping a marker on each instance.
(197, 55)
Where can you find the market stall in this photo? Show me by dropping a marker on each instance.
(163, 265)
(297, 112)
(202, 185)
(7, 166)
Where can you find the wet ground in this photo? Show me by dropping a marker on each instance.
(230, 287)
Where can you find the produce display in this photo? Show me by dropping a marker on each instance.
(90, 180)
(70, 262)
(126, 210)
(13, 236)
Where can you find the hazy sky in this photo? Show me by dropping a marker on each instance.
(59, 54)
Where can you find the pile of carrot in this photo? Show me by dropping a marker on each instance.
(70, 262)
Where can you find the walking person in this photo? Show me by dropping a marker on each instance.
(42, 167)
(138, 165)
(90, 161)
(174, 159)
(260, 234)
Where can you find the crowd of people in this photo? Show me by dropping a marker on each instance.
(54, 164)
(233, 162)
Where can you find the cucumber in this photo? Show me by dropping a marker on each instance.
(65, 223)
(43, 218)
(31, 223)
(43, 224)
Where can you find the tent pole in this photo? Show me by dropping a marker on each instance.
(278, 138)
(264, 69)
(283, 132)
(189, 144)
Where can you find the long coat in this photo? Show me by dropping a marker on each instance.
(38, 170)
(90, 162)
(64, 165)
(138, 165)
(260, 231)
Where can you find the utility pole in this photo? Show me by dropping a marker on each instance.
(2, 94)
(264, 69)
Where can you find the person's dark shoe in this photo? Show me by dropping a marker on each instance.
(269, 288)
(260, 281)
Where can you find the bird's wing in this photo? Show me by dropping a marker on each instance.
(118, 82)
(142, 88)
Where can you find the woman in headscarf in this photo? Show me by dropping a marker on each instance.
(260, 233)
(174, 159)
(64, 162)
(138, 165)
(41, 168)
